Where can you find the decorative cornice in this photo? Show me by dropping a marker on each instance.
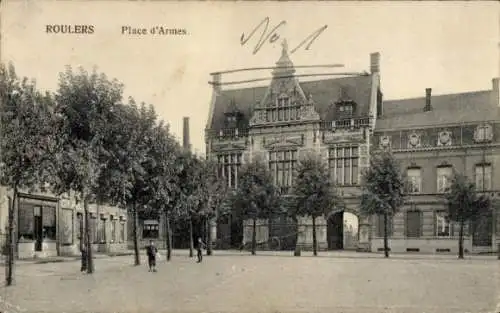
(229, 145)
(444, 148)
(283, 141)
(343, 136)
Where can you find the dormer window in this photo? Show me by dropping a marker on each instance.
(345, 109)
(283, 101)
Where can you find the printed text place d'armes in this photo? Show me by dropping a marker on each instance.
(155, 30)
(69, 29)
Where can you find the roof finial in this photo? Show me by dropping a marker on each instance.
(284, 46)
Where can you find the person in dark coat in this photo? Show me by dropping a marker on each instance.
(151, 251)
(199, 247)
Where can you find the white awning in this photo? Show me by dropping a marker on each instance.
(151, 222)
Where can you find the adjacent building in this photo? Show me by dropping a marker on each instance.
(47, 225)
(343, 119)
(432, 136)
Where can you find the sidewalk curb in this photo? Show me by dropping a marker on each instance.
(64, 259)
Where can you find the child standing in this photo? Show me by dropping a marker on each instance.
(151, 251)
(200, 246)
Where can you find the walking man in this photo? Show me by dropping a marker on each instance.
(201, 245)
(151, 251)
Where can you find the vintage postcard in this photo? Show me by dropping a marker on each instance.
(163, 156)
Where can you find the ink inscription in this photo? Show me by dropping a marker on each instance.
(273, 35)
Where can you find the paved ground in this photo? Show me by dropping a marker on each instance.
(235, 282)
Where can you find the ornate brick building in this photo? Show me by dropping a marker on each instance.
(342, 119)
(288, 119)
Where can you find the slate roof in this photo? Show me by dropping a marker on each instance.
(446, 109)
(324, 93)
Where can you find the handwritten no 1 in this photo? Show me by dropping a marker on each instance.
(273, 35)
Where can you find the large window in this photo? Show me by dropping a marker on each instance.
(26, 222)
(151, 229)
(79, 225)
(414, 180)
(49, 222)
(282, 165)
(282, 110)
(229, 166)
(380, 225)
(483, 177)
(413, 224)
(122, 231)
(113, 228)
(102, 230)
(46, 225)
(344, 165)
(93, 228)
(443, 227)
(443, 178)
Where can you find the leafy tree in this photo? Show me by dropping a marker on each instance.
(164, 177)
(133, 163)
(186, 200)
(255, 195)
(26, 127)
(464, 205)
(314, 192)
(215, 193)
(383, 189)
(84, 103)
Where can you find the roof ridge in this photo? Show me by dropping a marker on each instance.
(443, 95)
(300, 82)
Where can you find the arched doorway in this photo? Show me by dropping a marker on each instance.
(342, 231)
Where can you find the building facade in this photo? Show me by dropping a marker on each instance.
(343, 119)
(287, 120)
(432, 136)
(48, 226)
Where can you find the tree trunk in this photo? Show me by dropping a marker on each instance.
(209, 236)
(11, 241)
(168, 237)
(386, 235)
(90, 259)
(461, 240)
(315, 240)
(297, 248)
(191, 243)
(254, 235)
(137, 261)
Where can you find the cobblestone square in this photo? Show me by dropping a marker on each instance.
(272, 282)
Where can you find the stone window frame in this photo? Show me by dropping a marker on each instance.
(443, 181)
(414, 183)
(337, 164)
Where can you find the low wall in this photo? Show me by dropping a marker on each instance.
(431, 245)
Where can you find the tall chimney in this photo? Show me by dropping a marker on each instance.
(185, 134)
(428, 94)
(375, 62)
(496, 91)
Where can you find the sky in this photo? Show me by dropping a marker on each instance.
(448, 46)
